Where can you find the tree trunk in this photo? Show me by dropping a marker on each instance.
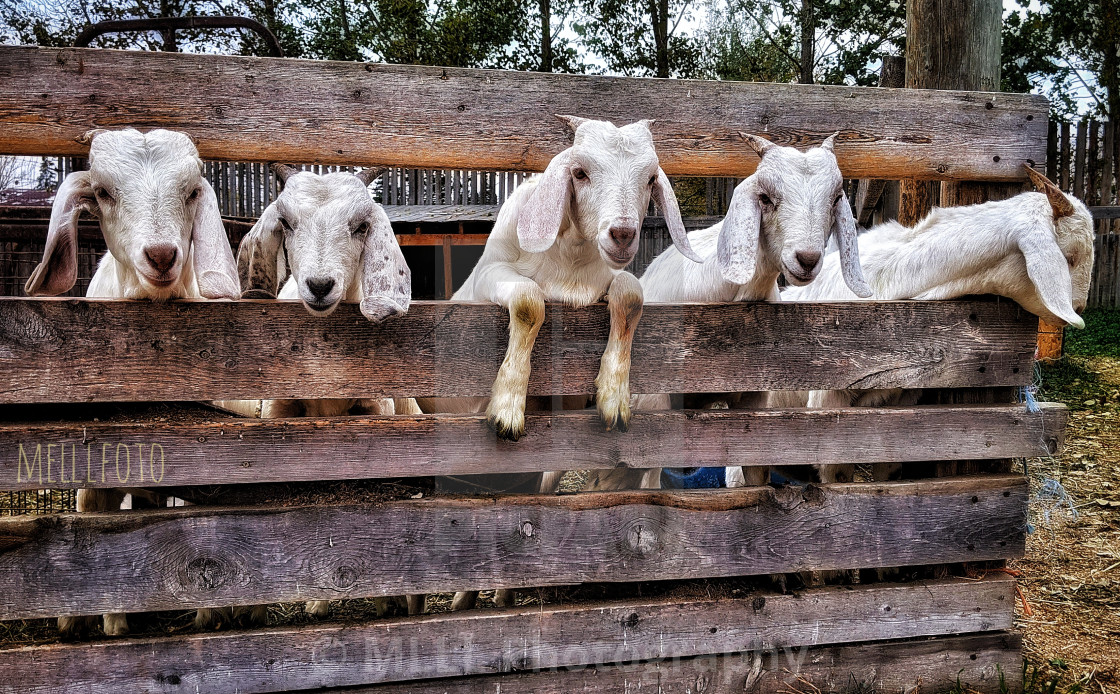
(546, 35)
(659, 16)
(808, 39)
(950, 44)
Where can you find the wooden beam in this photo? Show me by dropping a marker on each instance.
(1105, 212)
(532, 638)
(91, 563)
(459, 239)
(234, 451)
(984, 663)
(71, 350)
(441, 213)
(268, 109)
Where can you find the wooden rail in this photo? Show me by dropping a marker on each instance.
(987, 663)
(515, 640)
(269, 109)
(235, 451)
(90, 563)
(79, 350)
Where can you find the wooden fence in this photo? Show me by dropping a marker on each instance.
(721, 628)
(1082, 158)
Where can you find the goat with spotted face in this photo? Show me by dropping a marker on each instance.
(161, 223)
(779, 222)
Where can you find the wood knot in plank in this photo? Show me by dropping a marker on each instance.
(642, 537)
(23, 327)
(208, 573)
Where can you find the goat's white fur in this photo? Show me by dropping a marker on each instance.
(148, 192)
(780, 219)
(331, 231)
(566, 236)
(1019, 248)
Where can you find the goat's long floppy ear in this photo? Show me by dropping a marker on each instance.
(58, 271)
(844, 231)
(386, 278)
(737, 246)
(1058, 202)
(257, 256)
(1049, 273)
(666, 201)
(540, 217)
(214, 265)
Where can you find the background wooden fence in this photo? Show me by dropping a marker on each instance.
(1082, 158)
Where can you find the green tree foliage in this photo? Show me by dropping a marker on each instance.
(823, 41)
(1067, 45)
(641, 38)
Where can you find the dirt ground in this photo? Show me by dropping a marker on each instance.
(1071, 574)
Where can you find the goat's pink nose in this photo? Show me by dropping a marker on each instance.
(162, 256)
(807, 259)
(623, 232)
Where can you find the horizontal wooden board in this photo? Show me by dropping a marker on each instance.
(483, 642)
(199, 557)
(77, 350)
(35, 455)
(266, 109)
(985, 663)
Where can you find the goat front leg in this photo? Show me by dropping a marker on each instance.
(506, 411)
(612, 386)
(113, 623)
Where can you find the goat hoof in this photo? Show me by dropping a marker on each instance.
(209, 618)
(251, 615)
(76, 627)
(317, 608)
(614, 413)
(509, 428)
(464, 600)
(115, 624)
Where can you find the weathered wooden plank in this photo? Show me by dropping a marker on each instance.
(198, 557)
(521, 639)
(233, 451)
(262, 109)
(985, 663)
(441, 239)
(441, 213)
(67, 350)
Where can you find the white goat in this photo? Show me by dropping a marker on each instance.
(339, 247)
(566, 236)
(166, 240)
(779, 221)
(1034, 248)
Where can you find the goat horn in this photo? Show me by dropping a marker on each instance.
(830, 141)
(87, 137)
(370, 174)
(284, 171)
(572, 122)
(759, 144)
(1058, 201)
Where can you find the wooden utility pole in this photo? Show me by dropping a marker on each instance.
(950, 44)
(546, 35)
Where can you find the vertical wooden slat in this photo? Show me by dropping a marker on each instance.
(1052, 150)
(1105, 191)
(1093, 166)
(1079, 160)
(1063, 161)
(448, 284)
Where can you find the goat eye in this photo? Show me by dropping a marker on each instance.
(765, 199)
(580, 174)
(193, 195)
(837, 200)
(653, 179)
(284, 223)
(103, 194)
(361, 229)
